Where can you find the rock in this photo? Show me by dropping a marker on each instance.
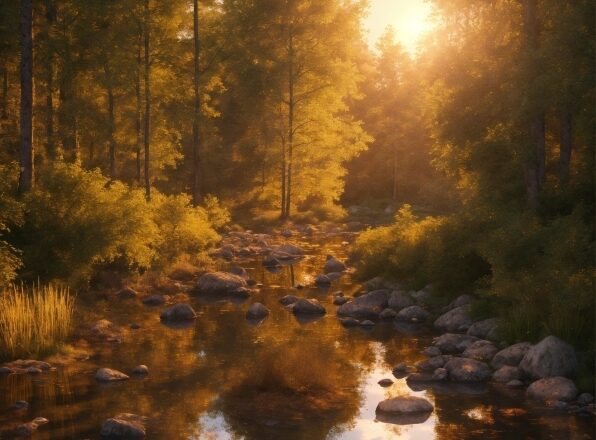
(154, 300)
(6, 370)
(333, 265)
(124, 426)
(467, 370)
(367, 306)
(388, 314)
(33, 370)
(585, 399)
(461, 300)
(511, 355)
(220, 283)
(20, 405)
(109, 375)
(552, 388)
(481, 351)
(127, 293)
(257, 311)
(402, 367)
(27, 429)
(486, 329)
(454, 343)
(422, 296)
(405, 405)
(433, 363)
(178, 313)
(560, 405)
(334, 276)
(340, 300)
(240, 272)
(550, 357)
(308, 307)
(271, 261)
(322, 280)
(431, 351)
(440, 374)
(367, 323)
(515, 384)
(140, 370)
(349, 322)
(457, 319)
(286, 233)
(288, 249)
(376, 283)
(288, 299)
(400, 300)
(413, 314)
(227, 254)
(506, 374)
(385, 383)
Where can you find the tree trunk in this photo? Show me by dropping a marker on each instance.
(196, 156)
(535, 172)
(50, 19)
(4, 110)
(147, 103)
(394, 191)
(26, 177)
(291, 105)
(111, 122)
(566, 147)
(283, 177)
(138, 116)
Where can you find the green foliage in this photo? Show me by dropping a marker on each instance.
(217, 215)
(34, 321)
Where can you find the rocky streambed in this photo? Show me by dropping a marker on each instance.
(280, 342)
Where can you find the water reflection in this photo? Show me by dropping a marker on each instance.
(224, 377)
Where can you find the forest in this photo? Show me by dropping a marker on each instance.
(164, 153)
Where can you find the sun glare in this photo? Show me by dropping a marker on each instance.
(409, 18)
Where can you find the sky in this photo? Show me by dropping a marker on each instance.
(409, 18)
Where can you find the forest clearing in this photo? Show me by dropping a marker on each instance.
(297, 219)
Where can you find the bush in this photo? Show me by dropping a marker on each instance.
(34, 322)
(11, 214)
(217, 215)
(77, 219)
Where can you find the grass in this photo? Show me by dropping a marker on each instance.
(34, 321)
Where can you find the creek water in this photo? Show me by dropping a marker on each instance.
(224, 377)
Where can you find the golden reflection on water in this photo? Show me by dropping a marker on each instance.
(225, 378)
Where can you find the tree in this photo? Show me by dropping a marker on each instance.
(196, 156)
(27, 175)
(147, 119)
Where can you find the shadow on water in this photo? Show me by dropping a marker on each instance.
(223, 376)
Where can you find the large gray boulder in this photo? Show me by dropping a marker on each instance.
(552, 389)
(178, 313)
(400, 300)
(485, 329)
(405, 405)
(511, 355)
(455, 320)
(467, 370)
(454, 343)
(220, 283)
(550, 357)
(367, 306)
(507, 373)
(413, 314)
(308, 307)
(481, 351)
(124, 426)
(334, 265)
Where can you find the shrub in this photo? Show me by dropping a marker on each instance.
(11, 214)
(77, 219)
(217, 215)
(34, 322)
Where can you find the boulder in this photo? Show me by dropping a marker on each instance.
(29, 428)
(154, 300)
(405, 405)
(431, 351)
(127, 293)
(422, 296)
(511, 355)
(486, 329)
(506, 374)
(433, 363)
(400, 300)
(308, 307)
(124, 426)
(140, 370)
(239, 271)
(550, 357)
(333, 265)
(322, 280)
(349, 322)
(367, 323)
(340, 300)
(585, 399)
(220, 283)
(413, 314)
(109, 375)
(288, 299)
(454, 343)
(481, 351)
(367, 306)
(271, 261)
(455, 320)
(257, 311)
(467, 370)
(388, 314)
(334, 276)
(385, 383)
(376, 283)
(178, 313)
(552, 389)
(461, 300)
(440, 374)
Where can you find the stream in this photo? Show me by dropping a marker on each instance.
(224, 377)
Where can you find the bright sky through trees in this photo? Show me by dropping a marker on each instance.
(409, 18)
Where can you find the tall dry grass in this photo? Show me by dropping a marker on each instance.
(34, 321)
